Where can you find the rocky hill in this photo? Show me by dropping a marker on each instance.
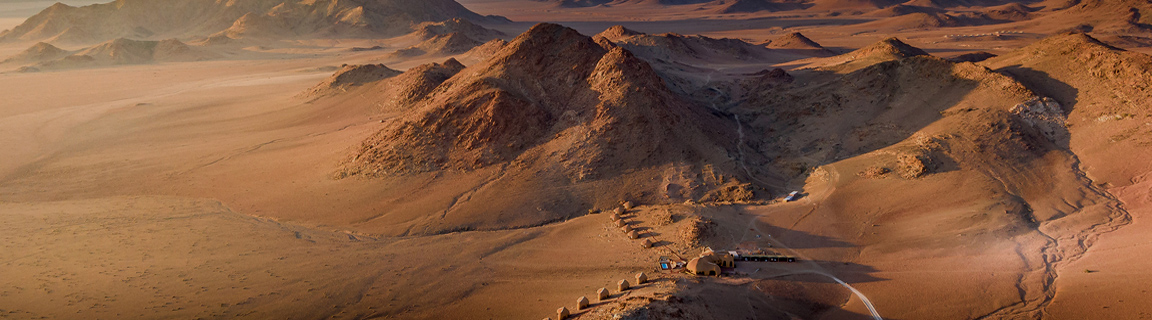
(121, 51)
(714, 6)
(145, 19)
(351, 76)
(429, 30)
(672, 47)
(796, 42)
(37, 53)
(748, 6)
(1103, 89)
(592, 3)
(484, 51)
(884, 50)
(439, 45)
(576, 139)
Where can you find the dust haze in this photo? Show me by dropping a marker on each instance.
(575, 159)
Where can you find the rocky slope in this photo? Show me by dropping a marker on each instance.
(121, 51)
(439, 45)
(351, 76)
(919, 127)
(885, 50)
(583, 137)
(143, 19)
(429, 30)
(1103, 90)
(671, 47)
(796, 42)
(749, 6)
(37, 53)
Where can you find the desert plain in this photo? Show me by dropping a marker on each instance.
(392, 159)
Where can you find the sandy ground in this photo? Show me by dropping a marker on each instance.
(1110, 282)
(119, 203)
(204, 190)
(164, 257)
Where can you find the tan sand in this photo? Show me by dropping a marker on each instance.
(206, 189)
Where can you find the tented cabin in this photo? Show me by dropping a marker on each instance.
(703, 267)
(724, 260)
(647, 243)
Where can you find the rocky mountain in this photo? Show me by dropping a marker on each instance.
(350, 76)
(884, 50)
(146, 19)
(43, 56)
(797, 42)
(486, 50)
(747, 6)
(439, 45)
(1007, 136)
(714, 6)
(671, 47)
(574, 139)
(1105, 16)
(448, 37)
(1103, 90)
(39, 52)
(592, 3)
(429, 30)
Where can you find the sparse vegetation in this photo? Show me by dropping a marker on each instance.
(732, 192)
(666, 217)
(459, 185)
(874, 172)
(911, 165)
(694, 229)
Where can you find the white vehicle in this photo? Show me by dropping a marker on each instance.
(791, 196)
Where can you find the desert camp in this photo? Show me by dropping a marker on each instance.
(575, 159)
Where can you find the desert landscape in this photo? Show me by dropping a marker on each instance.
(575, 159)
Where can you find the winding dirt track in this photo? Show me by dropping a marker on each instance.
(832, 176)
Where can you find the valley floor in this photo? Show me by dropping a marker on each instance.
(204, 190)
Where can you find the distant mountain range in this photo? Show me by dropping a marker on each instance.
(162, 19)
